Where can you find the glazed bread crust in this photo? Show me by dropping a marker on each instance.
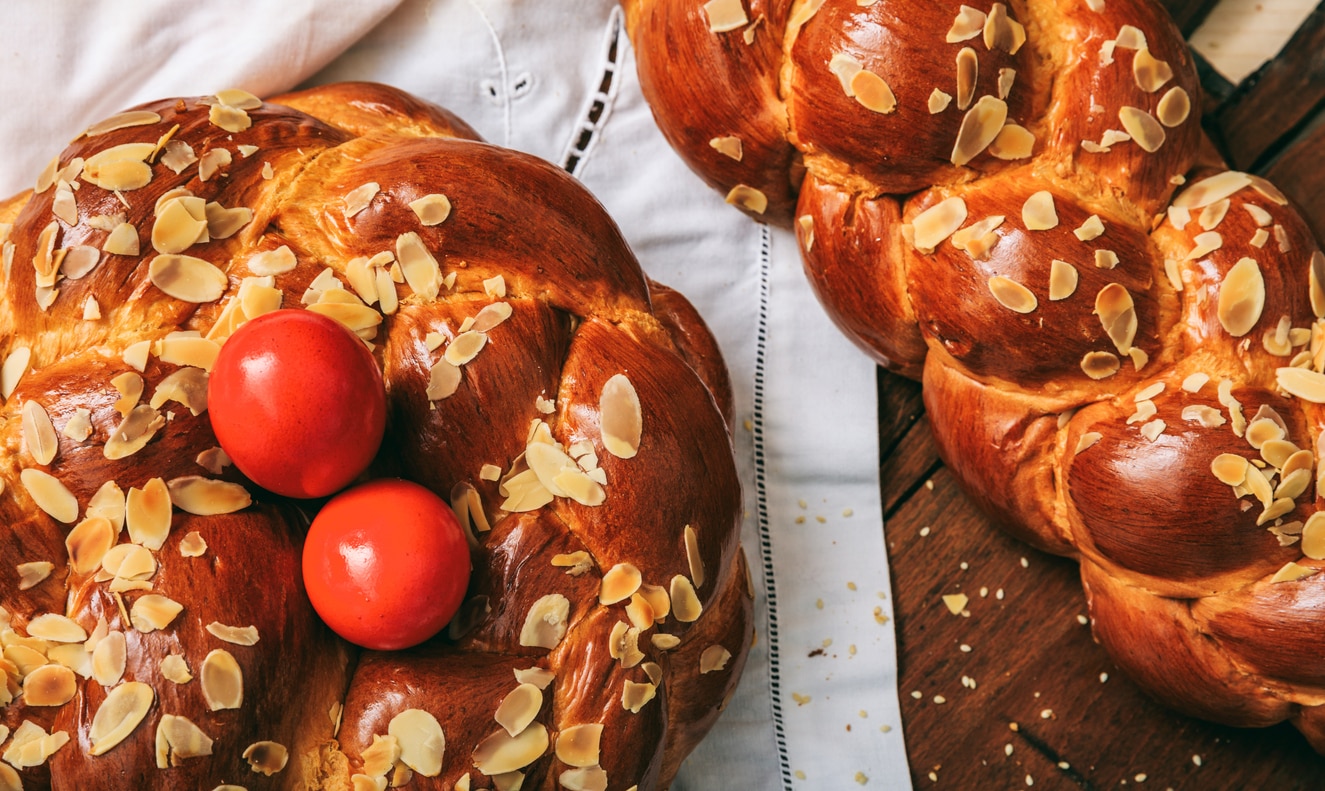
(606, 563)
(1120, 341)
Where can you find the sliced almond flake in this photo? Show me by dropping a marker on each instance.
(685, 604)
(1203, 415)
(537, 676)
(634, 696)
(844, 67)
(189, 351)
(31, 574)
(178, 739)
(175, 669)
(500, 752)
(1303, 383)
(584, 488)
(1148, 392)
(546, 622)
(421, 270)
(968, 75)
(379, 758)
(266, 757)
(619, 583)
(465, 347)
(147, 514)
(1206, 243)
(231, 119)
(1151, 73)
(222, 223)
(547, 406)
(38, 433)
(46, 178)
(724, 16)
(748, 198)
(79, 260)
(1003, 32)
(804, 13)
(1005, 79)
(1012, 295)
(72, 656)
(872, 92)
(1212, 189)
(1241, 297)
(1062, 280)
(180, 223)
(978, 238)
(494, 286)
(1117, 314)
(130, 387)
(1315, 279)
(63, 206)
(1174, 107)
(15, 366)
(1153, 429)
(1142, 126)
(88, 543)
(575, 563)
(587, 778)
(221, 680)
(1038, 212)
(431, 209)
(640, 613)
(359, 198)
(187, 278)
(1106, 259)
(120, 168)
(524, 492)
(970, 22)
(91, 309)
(1276, 341)
(937, 223)
(1259, 238)
(714, 658)
(153, 611)
(120, 713)
(201, 496)
(491, 316)
(56, 628)
(123, 121)
(50, 495)
(938, 101)
(178, 155)
(1292, 572)
(729, 146)
(980, 126)
(1281, 237)
(272, 262)
(1179, 216)
(1100, 365)
(238, 635)
(1194, 382)
(519, 708)
(621, 417)
(213, 162)
(1012, 142)
(133, 435)
(1213, 214)
(1087, 441)
(579, 745)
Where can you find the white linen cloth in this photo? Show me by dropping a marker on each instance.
(817, 707)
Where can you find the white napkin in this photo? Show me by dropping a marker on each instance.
(817, 707)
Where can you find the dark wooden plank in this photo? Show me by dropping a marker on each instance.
(1029, 653)
(1300, 173)
(1274, 102)
(900, 406)
(907, 467)
(1189, 14)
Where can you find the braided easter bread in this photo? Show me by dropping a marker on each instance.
(155, 627)
(1120, 342)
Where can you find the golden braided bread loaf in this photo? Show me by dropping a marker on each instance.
(151, 647)
(1120, 342)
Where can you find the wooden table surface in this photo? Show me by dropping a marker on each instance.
(1014, 692)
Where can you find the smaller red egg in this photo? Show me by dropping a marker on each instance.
(386, 564)
(297, 402)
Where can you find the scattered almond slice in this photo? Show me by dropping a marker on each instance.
(431, 209)
(238, 635)
(1038, 212)
(724, 16)
(749, 198)
(50, 495)
(1241, 297)
(119, 714)
(872, 92)
(178, 739)
(729, 146)
(980, 126)
(195, 494)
